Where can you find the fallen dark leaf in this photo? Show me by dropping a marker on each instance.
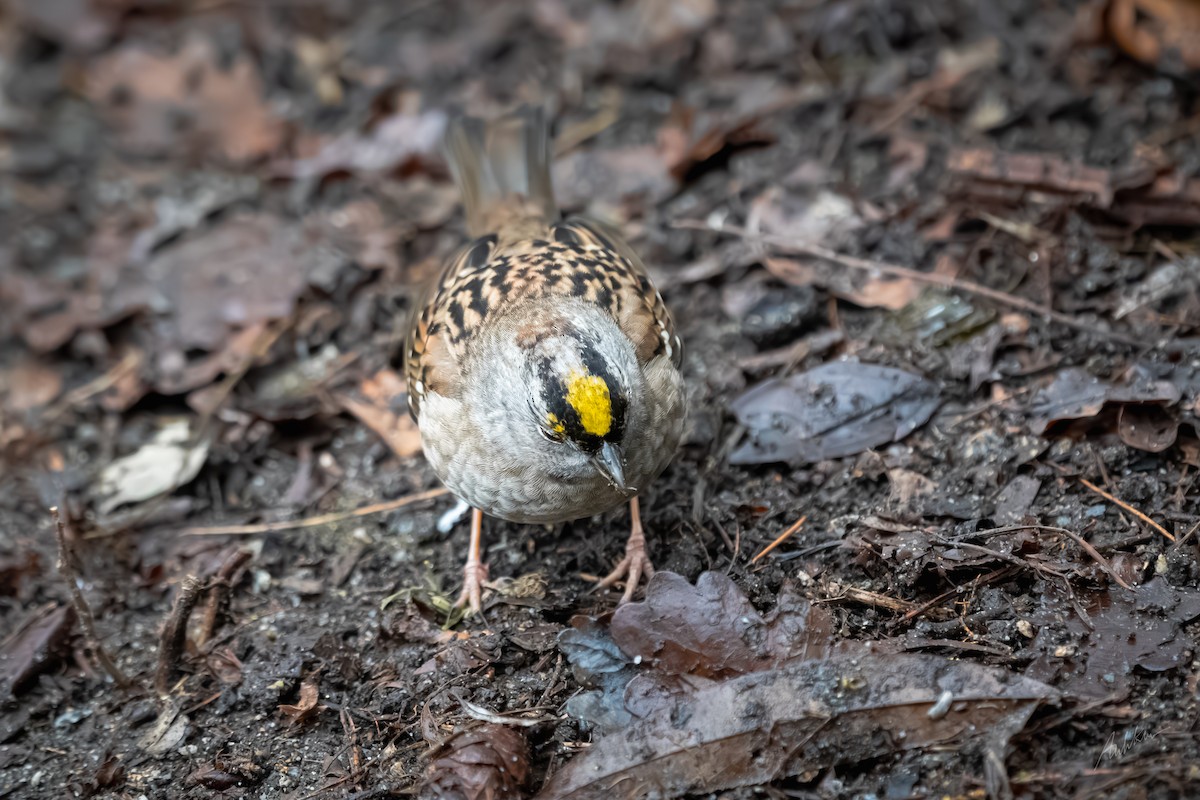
(1073, 394)
(695, 137)
(211, 777)
(15, 569)
(831, 411)
(490, 762)
(30, 385)
(225, 666)
(811, 215)
(712, 630)
(1145, 628)
(597, 661)
(80, 25)
(1042, 171)
(111, 773)
(36, 646)
(768, 725)
(591, 651)
(609, 179)
(170, 728)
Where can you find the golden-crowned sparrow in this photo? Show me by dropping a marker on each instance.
(543, 367)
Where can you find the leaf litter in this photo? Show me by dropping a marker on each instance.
(275, 169)
(777, 696)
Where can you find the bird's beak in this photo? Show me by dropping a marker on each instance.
(611, 463)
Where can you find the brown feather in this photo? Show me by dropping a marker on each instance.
(525, 257)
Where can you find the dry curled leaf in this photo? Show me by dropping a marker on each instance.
(306, 705)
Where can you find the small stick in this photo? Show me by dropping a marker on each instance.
(1189, 534)
(1094, 553)
(218, 593)
(313, 522)
(781, 538)
(174, 634)
(802, 247)
(1110, 498)
(68, 568)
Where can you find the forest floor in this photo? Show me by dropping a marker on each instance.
(932, 531)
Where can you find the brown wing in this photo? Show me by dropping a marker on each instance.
(433, 349)
(637, 305)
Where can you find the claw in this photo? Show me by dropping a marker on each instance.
(636, 562)
(474, 574)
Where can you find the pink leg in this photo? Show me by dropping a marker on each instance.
(475, 572)
(636, 563)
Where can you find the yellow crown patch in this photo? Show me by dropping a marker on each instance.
(588, 395)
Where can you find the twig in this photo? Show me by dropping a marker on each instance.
(973, 584)
(218, 593)
(313, 522)
(174, 633)
(781, 538)
(1110, 498)
(1189, 534)
(869, 598)
(68, 568)
(1091, 551)
(945, 281)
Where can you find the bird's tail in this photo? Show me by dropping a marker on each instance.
(502, 167)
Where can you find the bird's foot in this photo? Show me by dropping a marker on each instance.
(474, 575)
(636, 562)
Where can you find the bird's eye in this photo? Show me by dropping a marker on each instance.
(553, 429)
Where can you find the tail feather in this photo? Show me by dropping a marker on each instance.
(502, 168)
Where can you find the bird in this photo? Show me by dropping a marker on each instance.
(543, 368)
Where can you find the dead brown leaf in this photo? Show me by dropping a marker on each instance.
(854, 286)
(185, 102)
(30, 385)
(306, 705)
(1161, 33)
(381, 404)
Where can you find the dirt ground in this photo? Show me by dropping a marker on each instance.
(932, 531)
